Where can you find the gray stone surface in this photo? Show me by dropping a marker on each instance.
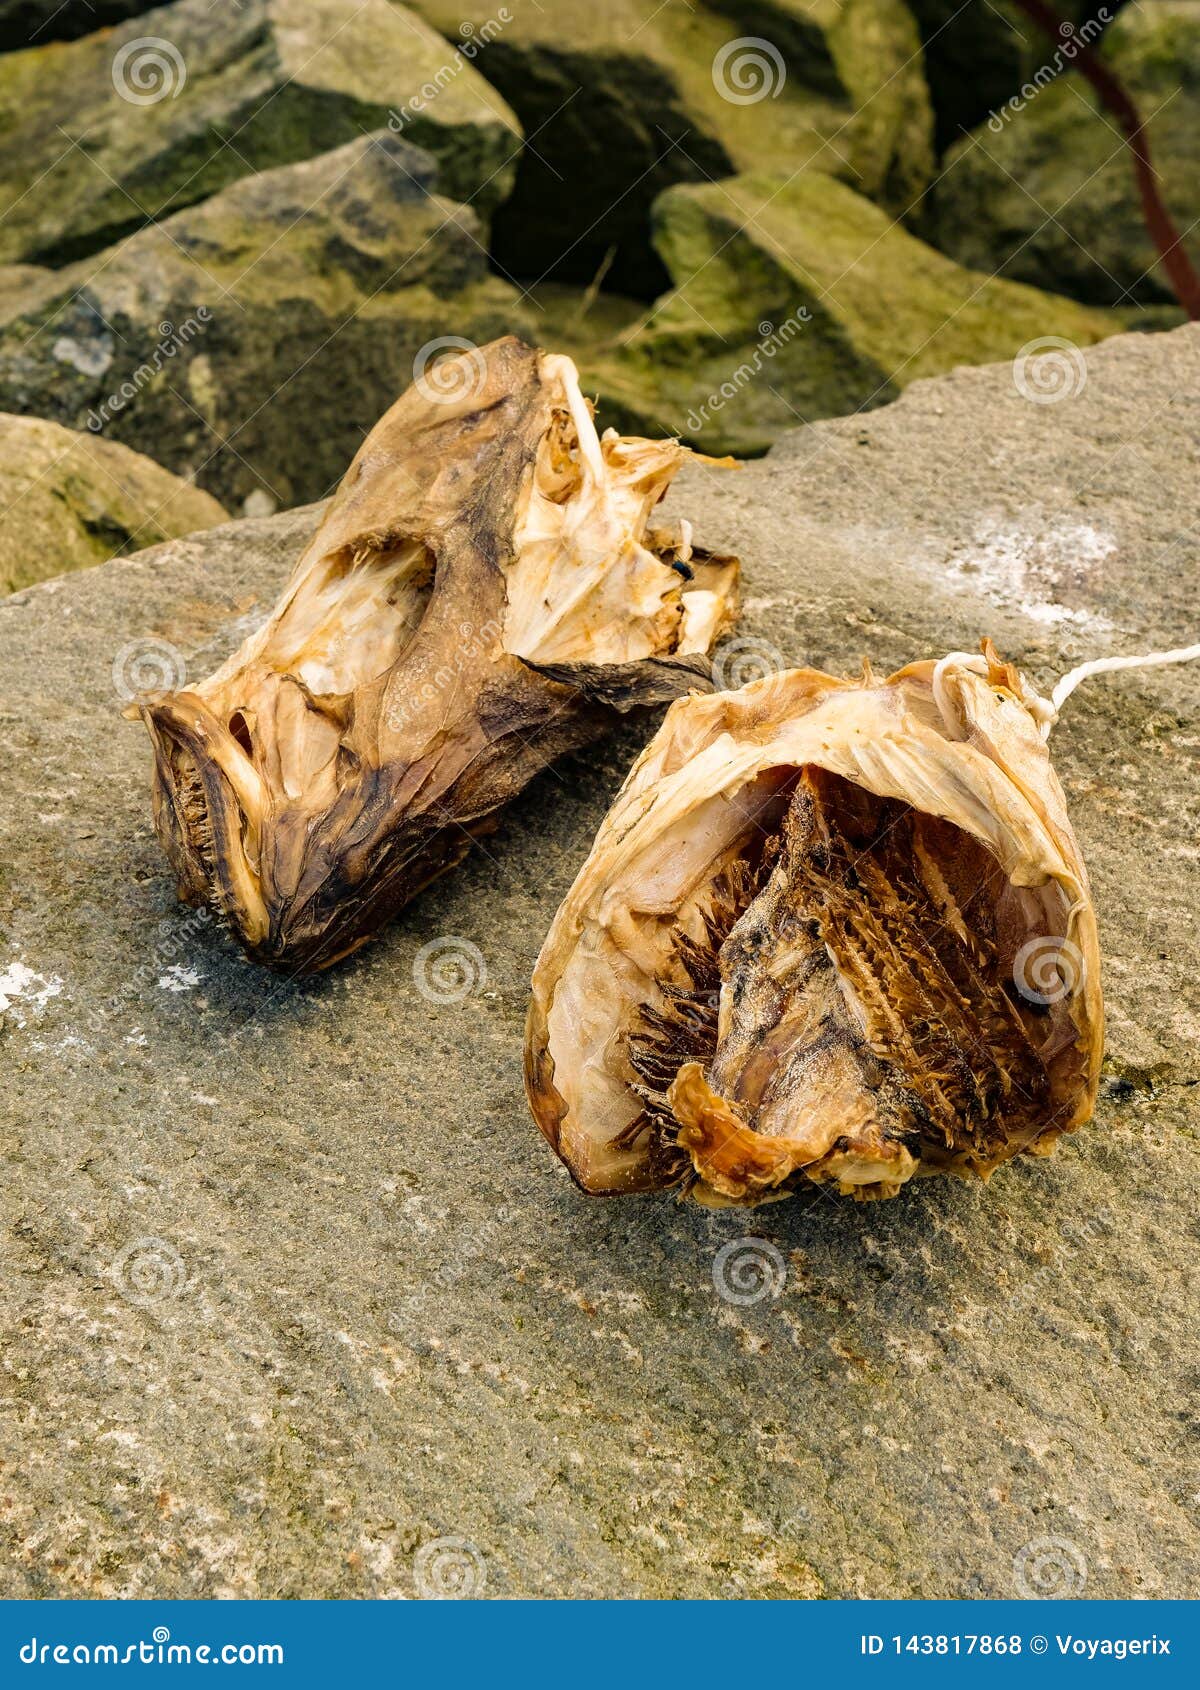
(377, 1313)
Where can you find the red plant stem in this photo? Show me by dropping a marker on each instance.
(1159, 222)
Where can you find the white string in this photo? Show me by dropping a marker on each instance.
(1045, 711)
(1104, 665)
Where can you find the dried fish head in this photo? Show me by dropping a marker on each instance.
(830, 931)
(488, 589)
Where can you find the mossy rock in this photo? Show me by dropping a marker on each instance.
(72, 500)
(978, 53)
(620, 101)
(1045, 191)
(152, 125)
(800, 299)
(253, 340)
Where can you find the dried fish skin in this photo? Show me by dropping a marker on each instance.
(489, 588)
(833, 932)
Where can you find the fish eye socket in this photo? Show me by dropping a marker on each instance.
(240, 730)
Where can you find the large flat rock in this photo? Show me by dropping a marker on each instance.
(293, 1288)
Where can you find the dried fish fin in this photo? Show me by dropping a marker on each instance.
(628, 686)
(589, 583)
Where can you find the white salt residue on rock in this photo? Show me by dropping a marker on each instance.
(179, 978)
(21, 988)
(1027, 566)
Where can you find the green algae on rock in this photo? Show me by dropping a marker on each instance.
(71, 500)
(637, 99)
(1044, 191)
(147, 130)
(800, 299)
(214, 339)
